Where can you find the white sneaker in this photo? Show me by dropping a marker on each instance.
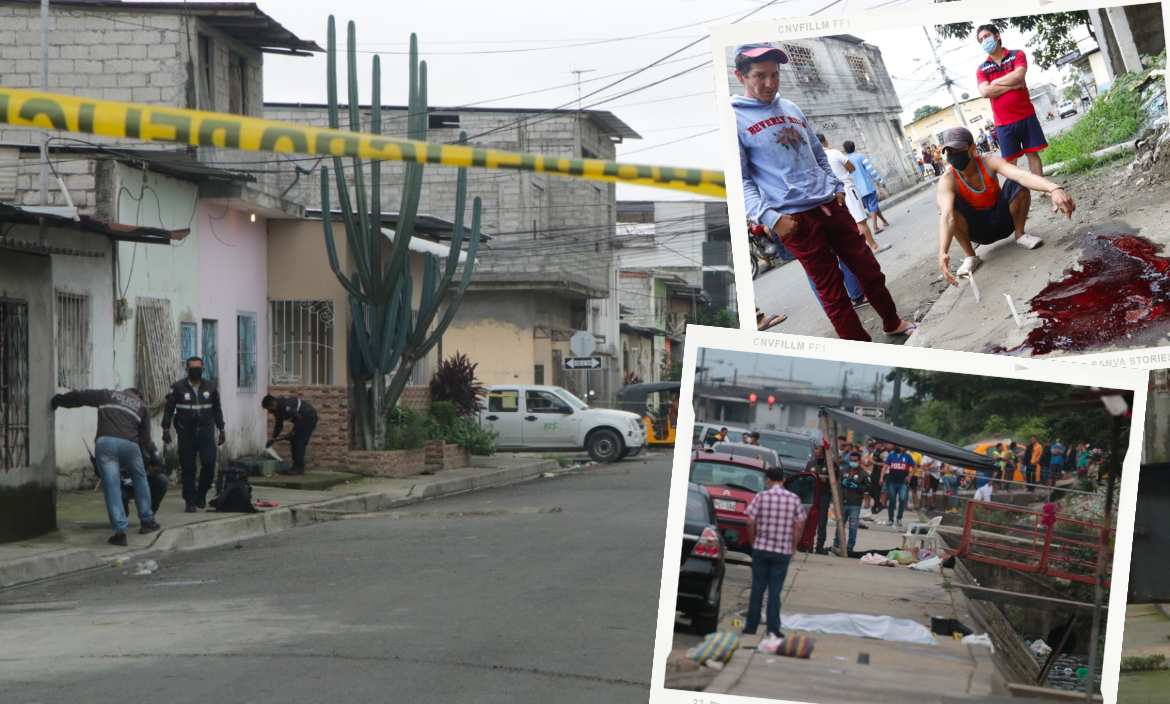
(970, 264)
(1029, 241)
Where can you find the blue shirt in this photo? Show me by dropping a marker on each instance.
(898, 467)
(982, 476)
(1057, 459)
(864, 174)
(781, 161)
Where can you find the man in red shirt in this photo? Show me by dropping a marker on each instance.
(1001, 79)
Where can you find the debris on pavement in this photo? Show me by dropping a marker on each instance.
(145, 568)
(981, 639)
(716, 646)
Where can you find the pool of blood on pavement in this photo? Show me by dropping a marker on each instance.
(1122, 288)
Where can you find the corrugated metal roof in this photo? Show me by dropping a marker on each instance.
(114, 230)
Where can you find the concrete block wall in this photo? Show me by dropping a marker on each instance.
(78, 172)
(399, 464)
(523, 212)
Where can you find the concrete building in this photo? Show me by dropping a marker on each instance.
(844, 89)
(149, 307)
(1125, 34)
(794, 409)
(548, 270)
(931, 128)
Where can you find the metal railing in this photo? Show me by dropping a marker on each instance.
(1045, 545)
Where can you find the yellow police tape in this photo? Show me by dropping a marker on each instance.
(211, 129)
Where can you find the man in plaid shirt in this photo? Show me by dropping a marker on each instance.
(775, 522)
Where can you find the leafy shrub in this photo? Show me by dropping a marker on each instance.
(443, 414)
(406, 429)
(468, 435)
(1136, 663)
(455, 381)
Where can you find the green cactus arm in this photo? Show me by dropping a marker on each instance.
(457, 297)
(357, 317)
(330, 245)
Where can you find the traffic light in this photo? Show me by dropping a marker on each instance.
(752, 398)
(771, 400)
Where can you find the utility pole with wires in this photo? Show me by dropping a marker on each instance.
(45, 89)
(962, 121)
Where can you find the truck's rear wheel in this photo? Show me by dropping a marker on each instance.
(605, 445)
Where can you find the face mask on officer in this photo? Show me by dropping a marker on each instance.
(959, 159)
(853, 464)
(194, 373)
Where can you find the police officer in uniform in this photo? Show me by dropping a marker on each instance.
(193, 403)
(304, 420)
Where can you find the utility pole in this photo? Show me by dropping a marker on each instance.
(896, 403)
(844, 378)
(45, 89)
(946, 79)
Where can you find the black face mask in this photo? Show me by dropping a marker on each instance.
(959, 160)
(195, 373)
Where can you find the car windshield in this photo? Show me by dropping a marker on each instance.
(721, 474)
(788, 448)
(697, 507)
(573, 400)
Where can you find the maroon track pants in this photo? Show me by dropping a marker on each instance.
(824, 234)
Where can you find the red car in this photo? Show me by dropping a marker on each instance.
(734, 481)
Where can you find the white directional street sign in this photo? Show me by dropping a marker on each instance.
(572, 363)
(870, 412)
(582, 343)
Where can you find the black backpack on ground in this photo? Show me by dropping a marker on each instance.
(233, 492)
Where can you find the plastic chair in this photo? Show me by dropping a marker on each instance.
(926, 538)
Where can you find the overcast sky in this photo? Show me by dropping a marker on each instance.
(521, 53)
(819, 372)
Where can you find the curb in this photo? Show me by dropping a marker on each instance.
(59, 563)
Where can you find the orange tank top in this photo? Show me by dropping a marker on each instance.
(987, 195)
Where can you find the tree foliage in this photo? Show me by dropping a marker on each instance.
(966, 408)
(925, 110)
(1053, 36)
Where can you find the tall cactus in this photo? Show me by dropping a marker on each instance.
(385, 337)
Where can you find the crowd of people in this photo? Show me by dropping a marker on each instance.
(824, 209)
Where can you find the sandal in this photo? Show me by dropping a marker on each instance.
(763, 322)
(906, 332)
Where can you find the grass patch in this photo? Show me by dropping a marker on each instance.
(1139, 663)
(1112, 118)
(561, 460)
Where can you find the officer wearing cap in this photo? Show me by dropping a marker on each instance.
(975, 209)
(789, 187)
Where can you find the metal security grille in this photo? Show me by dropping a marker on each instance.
(804, 65)
(861, 72)
(74, 345)
(300, 348)
(210, 353)
(157, 350)
(13, 383)
(246, 352)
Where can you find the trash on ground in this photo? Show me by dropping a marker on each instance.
(1015, 314)
(1040, 648)
(145, 568)
(266, 504)
(863, 658)
(932, 564)
(713, 664)
(981, 639)
(902, 557)
(874, 559)
(716, 646)
(861, 626)
(770, 644)
(770, 660)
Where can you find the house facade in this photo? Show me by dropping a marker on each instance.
(844, 89)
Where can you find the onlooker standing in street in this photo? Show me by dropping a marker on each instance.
(1046, 464)
(820, 466)
(898, 466)
(1057, 463)
(1000, 454)
(790, 189)
(984, 479)
(775, 521)
(304, 419)
(193, 405)
(879, 471)
(1000, 78)
(931, 470)
(950, 489)
(123, 428)
(856, 485)
(868, 181)
(981, 141)
(1017, 462)
(928, 158)
(844, 168)
(1037, 451)
(936, 159)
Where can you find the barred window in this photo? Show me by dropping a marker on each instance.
(300, 347)
(14, 420)
(804, 64)
(246, 352)
(862, 73)
(74, 346)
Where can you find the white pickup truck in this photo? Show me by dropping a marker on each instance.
(529, 417)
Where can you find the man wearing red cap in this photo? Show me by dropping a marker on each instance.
(975, 209)
(790, 188)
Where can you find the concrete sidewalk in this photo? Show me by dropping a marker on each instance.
(79, 544)
(897, 672)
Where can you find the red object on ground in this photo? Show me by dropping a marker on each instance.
(266, 504)
(1122, 289)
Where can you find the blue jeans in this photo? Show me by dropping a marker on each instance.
(853, 516)
(852, 286)
(769, 569)
(898, 492)
(112, 455)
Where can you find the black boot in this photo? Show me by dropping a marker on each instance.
(118, 539)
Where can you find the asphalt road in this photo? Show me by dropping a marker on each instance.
(536, 592)
(910, 266)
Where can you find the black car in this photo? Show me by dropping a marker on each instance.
(795, 450)
(700, 576)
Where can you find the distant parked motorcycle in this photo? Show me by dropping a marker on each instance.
(766, 253)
